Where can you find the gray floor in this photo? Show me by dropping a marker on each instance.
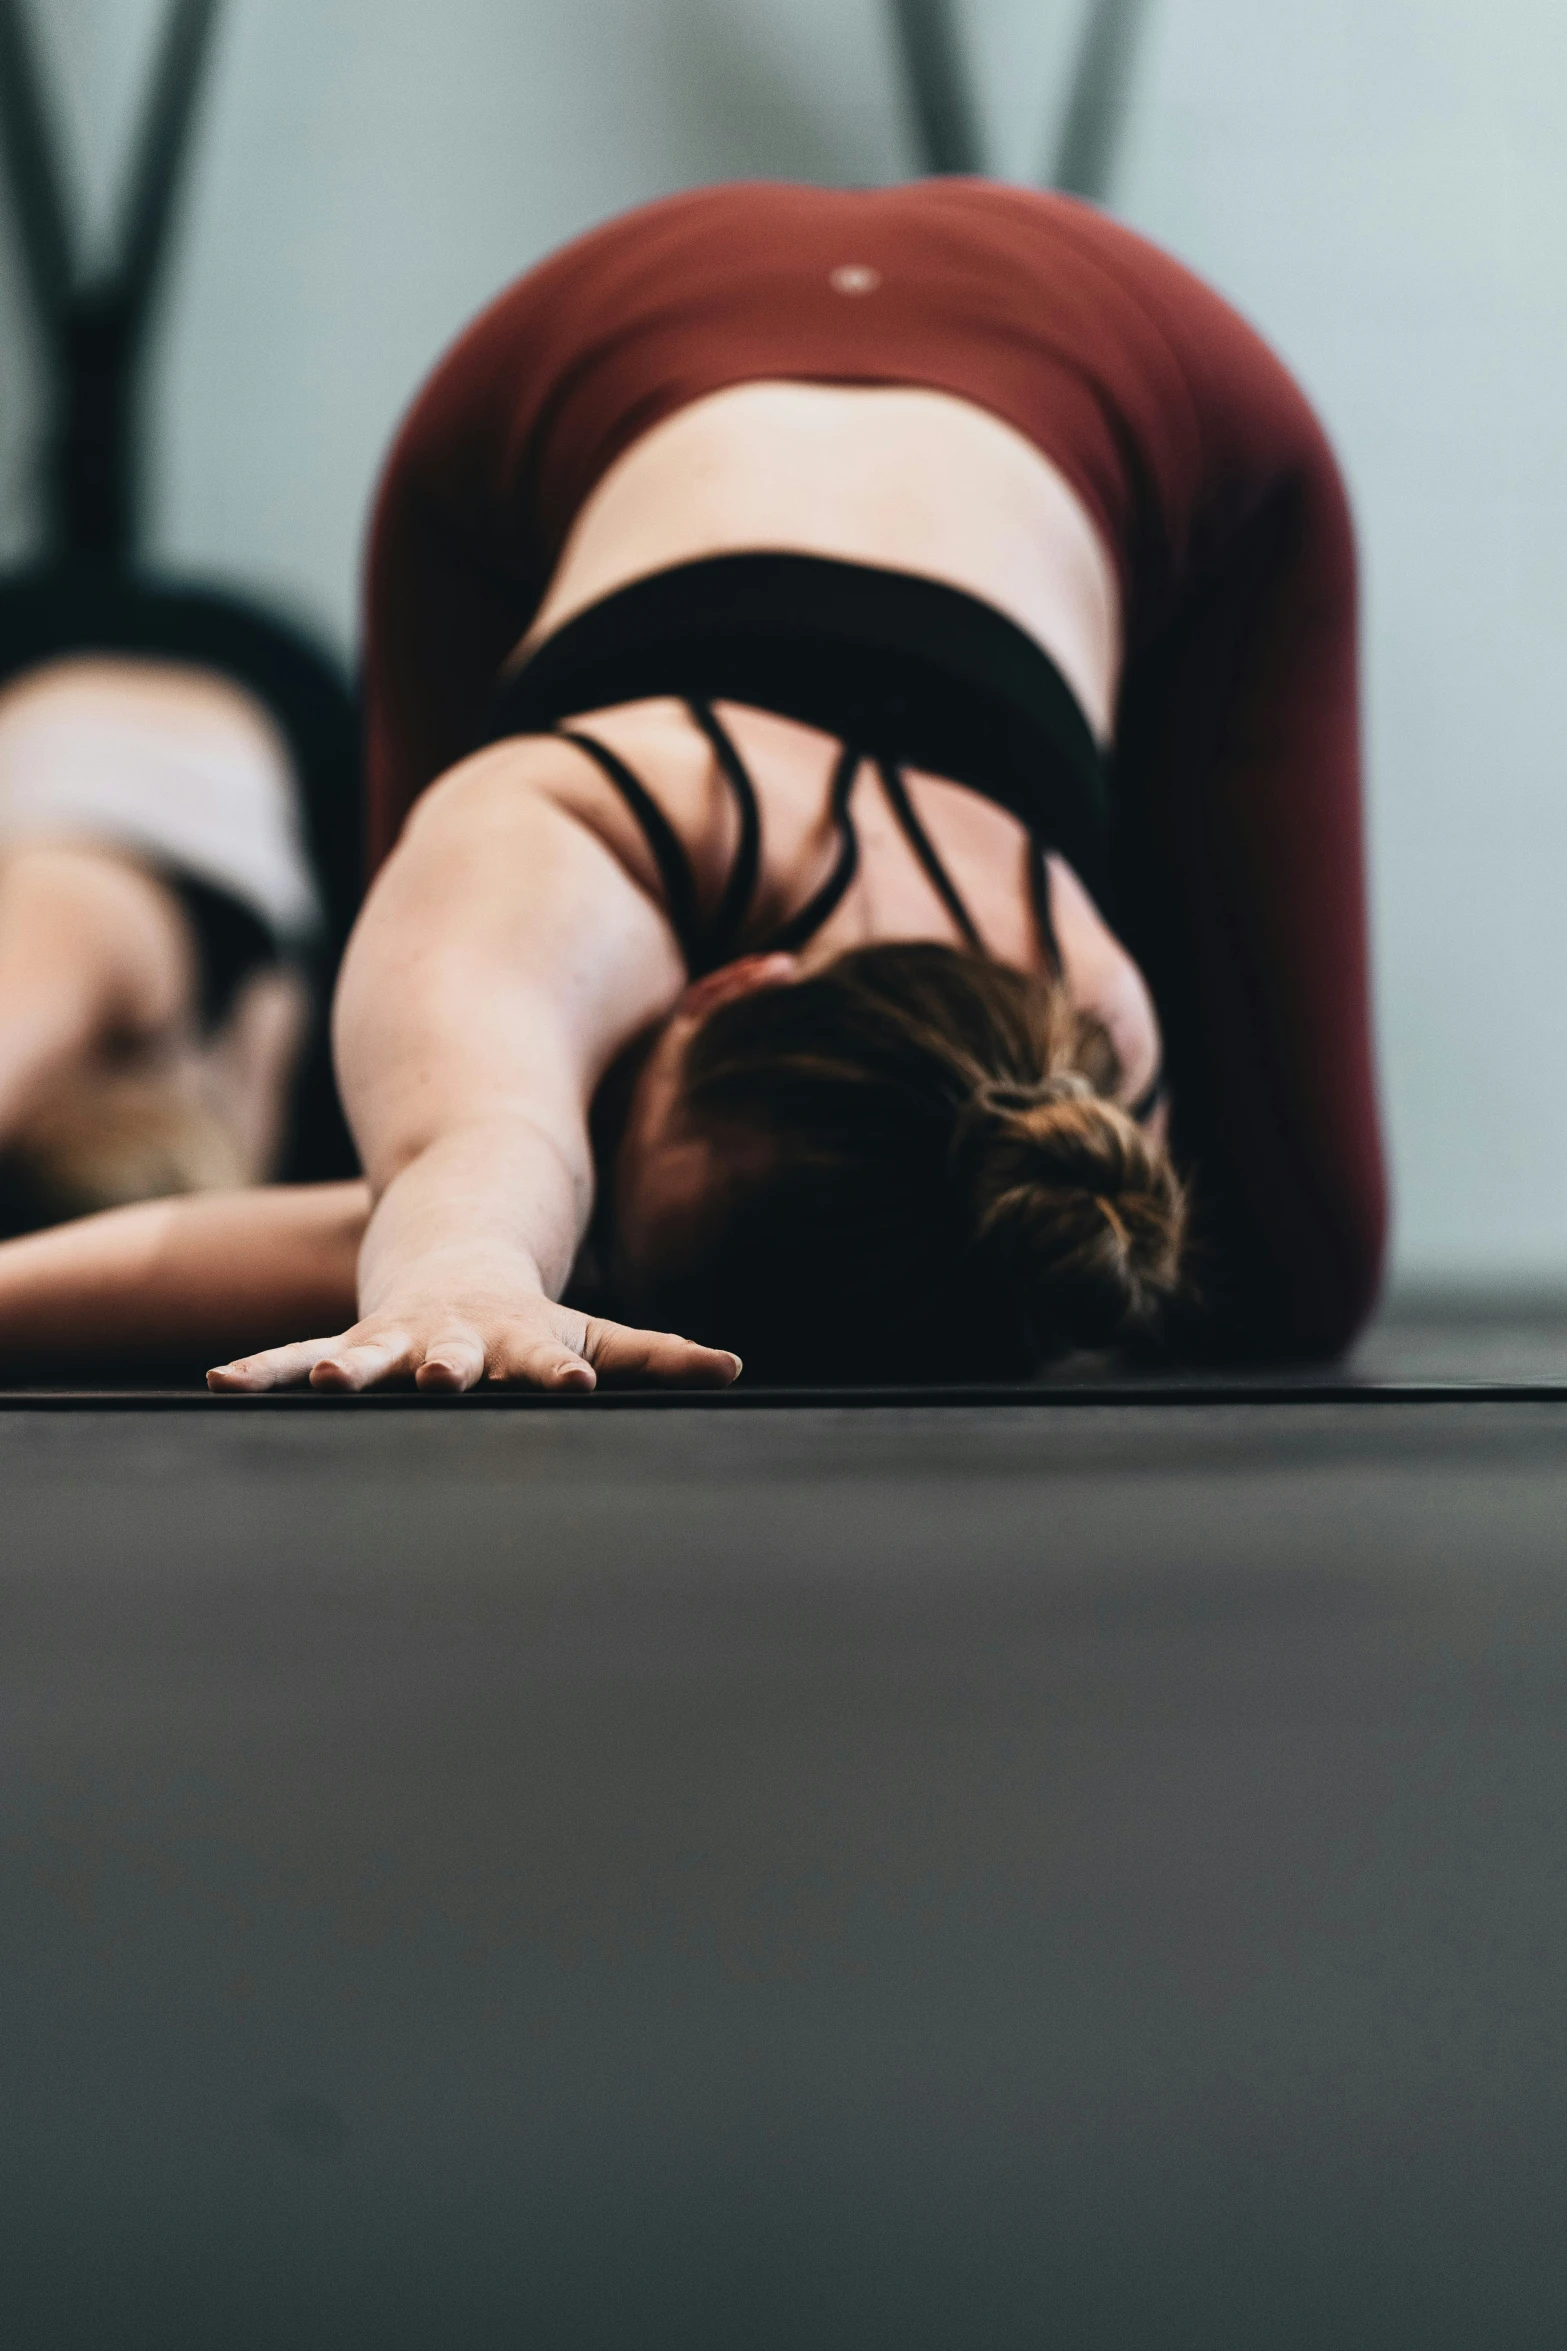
(1471, 1339)
(981, 1876)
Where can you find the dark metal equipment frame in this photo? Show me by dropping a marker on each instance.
(946, 113)
(94, 327)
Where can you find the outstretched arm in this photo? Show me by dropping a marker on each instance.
(505, 957)
(187, 1277)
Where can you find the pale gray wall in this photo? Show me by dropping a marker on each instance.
(1378, 183)
(1381, 185)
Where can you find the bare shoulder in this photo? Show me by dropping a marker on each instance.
(666, 754)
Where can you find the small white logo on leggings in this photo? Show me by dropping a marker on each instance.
(853, 277)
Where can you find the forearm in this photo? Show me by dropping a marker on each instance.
(495, 1203)
(194, 1277)
(502, 961)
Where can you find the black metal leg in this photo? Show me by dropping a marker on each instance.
(27, 156)
(94, 332)
(1090, 135)
(163, 147)
(939, 88)
(946, 113)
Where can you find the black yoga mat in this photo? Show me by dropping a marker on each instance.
(995, 1875)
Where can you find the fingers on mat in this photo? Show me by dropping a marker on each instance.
(276, 1367)
(619, 1353)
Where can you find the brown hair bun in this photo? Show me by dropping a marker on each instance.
(1070, 1206)
(944, 1190)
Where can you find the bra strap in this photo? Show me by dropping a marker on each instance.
(674, 867)
(1150, 1098)
(706, 945)
(729, 916)
(1039, 885)
(804, 925)
(924, 848)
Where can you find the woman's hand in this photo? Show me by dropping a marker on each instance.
(523, 1341)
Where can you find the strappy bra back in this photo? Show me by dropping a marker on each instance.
(706, 942)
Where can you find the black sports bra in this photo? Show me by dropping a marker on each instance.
(917, 673)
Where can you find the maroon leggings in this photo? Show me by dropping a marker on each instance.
(1237, 854)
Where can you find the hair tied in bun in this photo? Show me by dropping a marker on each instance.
(945, 1179)
(1071, 1212)
(1114, 1220)
(1007, 1096)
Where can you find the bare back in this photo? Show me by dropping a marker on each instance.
(907, 479)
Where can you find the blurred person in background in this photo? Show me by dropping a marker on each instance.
(178, 788)
(156, 910)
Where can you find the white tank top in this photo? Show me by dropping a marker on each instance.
(165, 760)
